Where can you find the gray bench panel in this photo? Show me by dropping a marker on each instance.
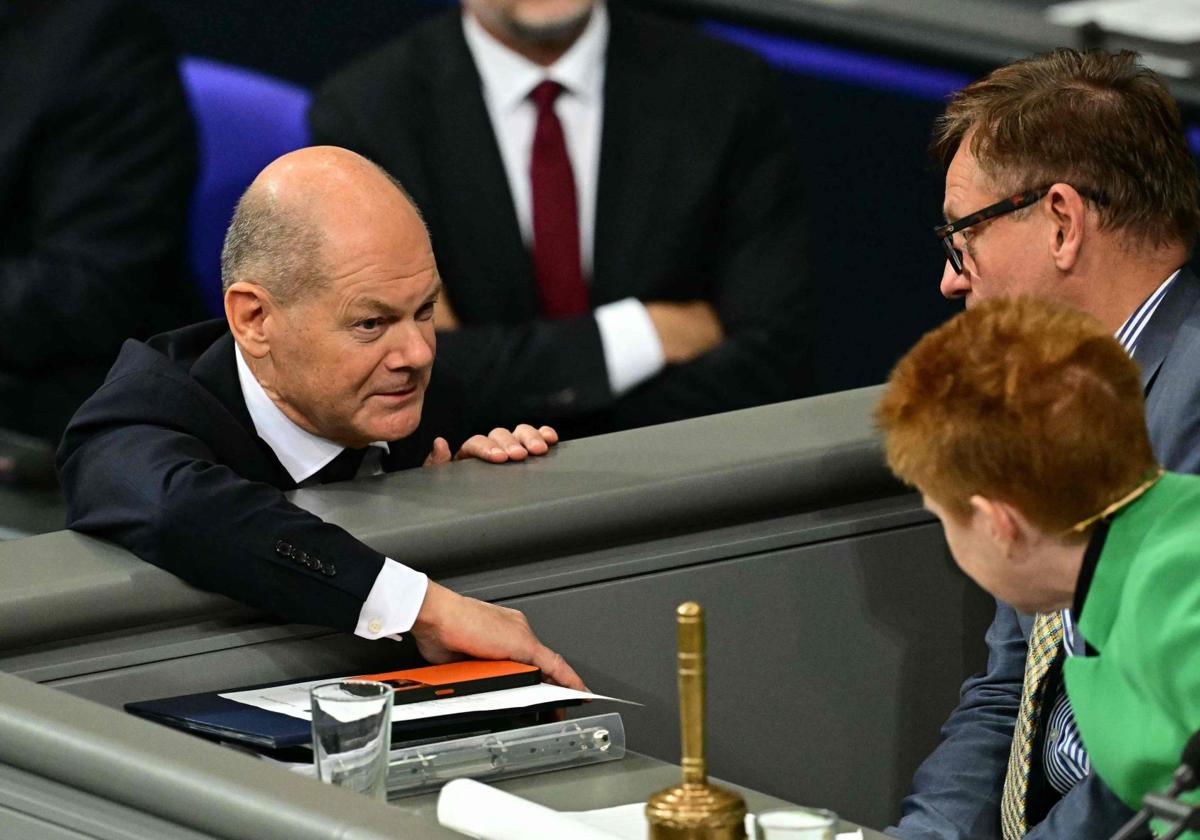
(839, 631)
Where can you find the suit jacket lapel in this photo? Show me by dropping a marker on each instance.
(630, 146)
(1158, 335)
(216, 370)
(467, 165)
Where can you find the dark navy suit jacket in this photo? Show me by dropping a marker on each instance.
(956, 791)
(164, 460)
(699, 198)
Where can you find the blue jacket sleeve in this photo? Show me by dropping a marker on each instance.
(956, 791)
(1091, 809)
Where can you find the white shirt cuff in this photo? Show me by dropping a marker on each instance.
(395, 599)
(632, 350)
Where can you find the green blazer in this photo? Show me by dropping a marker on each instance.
(1137, 700)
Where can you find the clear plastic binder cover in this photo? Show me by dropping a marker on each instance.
(506, 755)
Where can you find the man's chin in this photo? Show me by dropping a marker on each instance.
(396, 423)
(551, 29)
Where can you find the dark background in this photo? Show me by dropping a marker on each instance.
(873, 193)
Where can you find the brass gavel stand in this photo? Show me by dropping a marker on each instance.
(694, 810)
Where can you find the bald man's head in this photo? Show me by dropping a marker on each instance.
(293, 214)
(330, 292)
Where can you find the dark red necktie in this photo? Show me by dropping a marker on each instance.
(556, 263)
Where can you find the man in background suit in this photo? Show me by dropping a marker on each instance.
(97, 163)
(319, 375)
(1068, 178)
(613, 202)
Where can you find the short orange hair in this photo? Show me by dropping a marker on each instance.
(1020, 400)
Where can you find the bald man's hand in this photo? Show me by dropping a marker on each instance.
(498, 446)
(451, 626)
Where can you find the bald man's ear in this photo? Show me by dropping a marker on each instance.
(247, 308)
(1067, 214)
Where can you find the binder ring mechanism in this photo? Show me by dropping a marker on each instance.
(505, 755)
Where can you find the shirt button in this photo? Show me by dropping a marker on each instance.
(1054, 734)
(375, 625)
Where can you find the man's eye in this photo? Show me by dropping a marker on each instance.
(370, 324)
(425, 312)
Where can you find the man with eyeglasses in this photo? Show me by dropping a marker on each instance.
(1068, 177)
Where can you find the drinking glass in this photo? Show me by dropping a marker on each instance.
(795, 824)
(352, 733)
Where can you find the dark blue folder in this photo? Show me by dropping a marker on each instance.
(212, 716)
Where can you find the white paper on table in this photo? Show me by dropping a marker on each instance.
(1172, 21)
(293, 700)
(481, 811)
(625, 821)
(629, 822)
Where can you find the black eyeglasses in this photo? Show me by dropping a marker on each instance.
(945, 233)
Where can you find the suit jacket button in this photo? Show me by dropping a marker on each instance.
(284, 549)
(329, 570)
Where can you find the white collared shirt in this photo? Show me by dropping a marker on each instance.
(398, 592)
(632, 350)
(1131, 330)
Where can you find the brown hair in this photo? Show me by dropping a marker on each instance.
(1096, 120)
(1021, 400)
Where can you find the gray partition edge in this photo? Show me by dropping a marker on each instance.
(458, 518)
(174, 776)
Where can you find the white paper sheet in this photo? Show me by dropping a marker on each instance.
(1171, 21)
(292, 700)
(481, 811)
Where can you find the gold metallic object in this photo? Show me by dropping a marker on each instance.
(694, 810)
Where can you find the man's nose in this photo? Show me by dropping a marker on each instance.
(954, 285)
(411, 347)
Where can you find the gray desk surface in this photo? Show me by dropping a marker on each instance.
(633, 779)
(75, 756)
(25, 511)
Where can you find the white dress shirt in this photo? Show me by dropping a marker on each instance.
(398, 592)
(632, 350)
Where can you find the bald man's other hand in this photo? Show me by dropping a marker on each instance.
(686, 330)
(451, 626)
(498, 446)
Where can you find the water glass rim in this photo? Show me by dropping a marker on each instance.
(829, 816)
(382, 690)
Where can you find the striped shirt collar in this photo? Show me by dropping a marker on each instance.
(1131, 330)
